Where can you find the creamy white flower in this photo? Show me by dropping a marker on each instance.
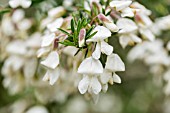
(56, 24)
(52, 75)
(114, 63)
(95, 66)
(18, 15)
(25, 24)
(122, 7)
(22, 3)
(37, 109)
(52, 60)
(147, 34)
(127, 32)
(101, 46)
(47, 40)
(109, 24)
(90, 84)
(56, 12)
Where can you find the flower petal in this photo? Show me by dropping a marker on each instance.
(90, 66)
(105, 76)
(83, 84)
(48, 40)
(56, 24)
(127, 12)
(26, 3)
(14, 3)
(114, 63)
(106, 48)
(102, 33)
(116, 78)
(95, 85)
(119, 5)
(96, 54)
(52, 60)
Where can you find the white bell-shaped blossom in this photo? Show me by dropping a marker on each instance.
(101, 46)
(122, 7)
(22, 3)
(127, 32)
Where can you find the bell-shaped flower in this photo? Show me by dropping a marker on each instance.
(90, 81)
(22, 3)
(82, 35)
(127, 32)
(123, 8)
(90, 84)
(51, 61)
(110, 25)
(95, 66)
(114, 63)
(101, 46)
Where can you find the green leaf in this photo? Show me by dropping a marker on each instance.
(65, 32)
(91, 35)
(89, 31)
(72, 26)
(67, 43)
(3, 11)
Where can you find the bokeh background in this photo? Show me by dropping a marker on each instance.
(140, 91)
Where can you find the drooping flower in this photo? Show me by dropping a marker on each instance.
(101, 46)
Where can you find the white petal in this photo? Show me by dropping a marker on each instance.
(26, 3)
(51, 76)
(147, 34)
(48, 40)
(135, 38)
(126, 25)
(56, 12)
(114, 63)
(106, 48)
(95, 66)
(105, 88)
(43, 51)
(111, 26)
(124, 40)
(14, 3)
(96, 54)
(105, 76)
(119, 5)
(52, 60)
(102, 33)
(56, 24)
(37, 109)
(83, 84)
(18, 15)
(116, 78)
(30, 68)
(95, 85)
(128, 12)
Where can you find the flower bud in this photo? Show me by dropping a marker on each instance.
(82, 37)
(110, 25)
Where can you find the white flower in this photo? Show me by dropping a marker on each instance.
(95, 66)
(52, 76)
(52, 60)
(18, 15)
(127, 32)
(48, 40)
(110, 25)
(56, 12)
(56, 24)
(37, 109)
(101, 46)
(114, 63)
(122, 7)
(22, 3)
(90, 81)
(90, 84)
